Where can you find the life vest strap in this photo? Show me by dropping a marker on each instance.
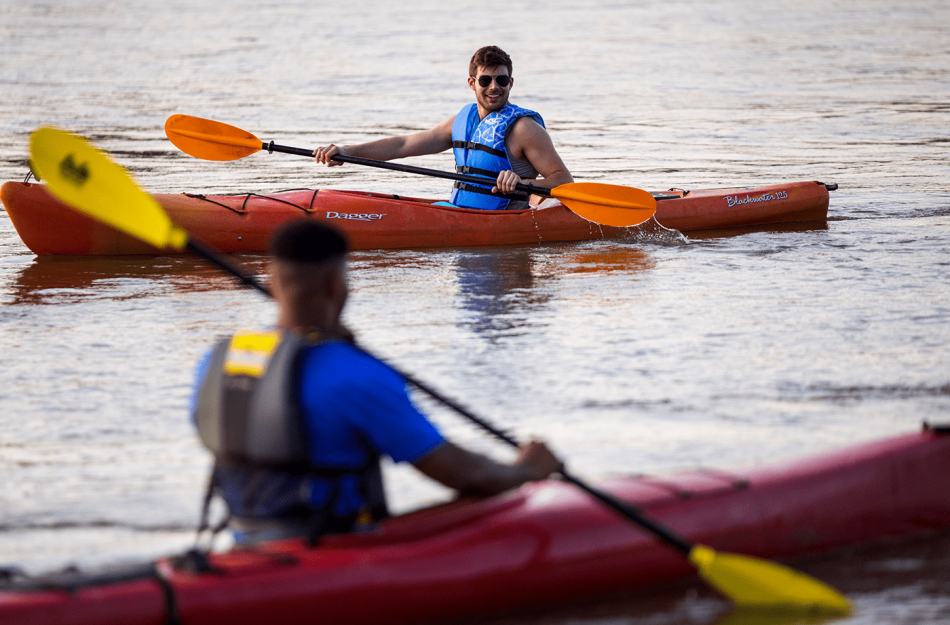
(491, 175)
(462, 186)
(471, 145)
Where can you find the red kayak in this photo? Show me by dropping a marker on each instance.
(543, 543)
(244, 223)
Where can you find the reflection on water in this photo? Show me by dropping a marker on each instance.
(69, 279)
(631, 261)
(772, 617)
(502, 289)
(508, 289)
(803, 226)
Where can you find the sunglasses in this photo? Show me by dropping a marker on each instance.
(503, 80)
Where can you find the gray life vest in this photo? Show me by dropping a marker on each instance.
(249, 416)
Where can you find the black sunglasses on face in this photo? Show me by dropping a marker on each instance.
(503, 81)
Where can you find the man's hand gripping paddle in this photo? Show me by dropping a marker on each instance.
(606, 204)
(88, 180)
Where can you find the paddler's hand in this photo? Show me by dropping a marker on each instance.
(506, 183)
(538, 459)
(324, 154)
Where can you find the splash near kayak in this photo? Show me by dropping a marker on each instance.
(543, 543)
(244, 223)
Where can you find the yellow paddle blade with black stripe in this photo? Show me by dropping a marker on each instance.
(751, 582)
(88, 180)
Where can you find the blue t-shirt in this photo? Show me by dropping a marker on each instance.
(349, 400)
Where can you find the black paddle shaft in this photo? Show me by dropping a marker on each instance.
(409, 169)
(632, 513)
(227, 264)
(624, 509)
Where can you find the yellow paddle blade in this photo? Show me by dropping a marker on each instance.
(753, 582)
(607, 204)
(210, 140)
(772, 616)
(86, 179)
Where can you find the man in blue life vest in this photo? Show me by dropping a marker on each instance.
(503, 142)
(297, 418)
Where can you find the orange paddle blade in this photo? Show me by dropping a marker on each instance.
(607, 204)
(210, 140)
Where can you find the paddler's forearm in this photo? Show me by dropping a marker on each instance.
(474, 474)
(556, 179)
(431, 141)
(386, 149)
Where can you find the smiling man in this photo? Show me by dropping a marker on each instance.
(491, 137)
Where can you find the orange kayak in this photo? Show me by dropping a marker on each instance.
(244, 223)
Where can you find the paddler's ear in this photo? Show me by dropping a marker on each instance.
(336, 283)
(471, 83)
(272, 270)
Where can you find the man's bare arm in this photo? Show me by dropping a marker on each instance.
(474, 474)
(529, 141)
(430, 141)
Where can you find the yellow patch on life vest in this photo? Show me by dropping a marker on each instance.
(248, 354)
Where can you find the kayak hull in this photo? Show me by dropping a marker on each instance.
(541, 544)
(244, 223)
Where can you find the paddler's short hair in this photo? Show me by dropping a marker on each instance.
(307, 241)
(489, 56)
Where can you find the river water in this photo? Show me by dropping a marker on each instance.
(650, 355)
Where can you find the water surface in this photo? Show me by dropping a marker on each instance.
(649, 355)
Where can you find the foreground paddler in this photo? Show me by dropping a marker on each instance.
(86, 179)
(298, 417)
(492, 138)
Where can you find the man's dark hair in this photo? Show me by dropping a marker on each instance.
(307, 241)
(489, 56)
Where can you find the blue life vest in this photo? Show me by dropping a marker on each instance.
(480, 150)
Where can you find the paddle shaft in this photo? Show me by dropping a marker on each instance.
(409, 169)
(632, 513)
(619, 506)
(622, 508)
(227, 264)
